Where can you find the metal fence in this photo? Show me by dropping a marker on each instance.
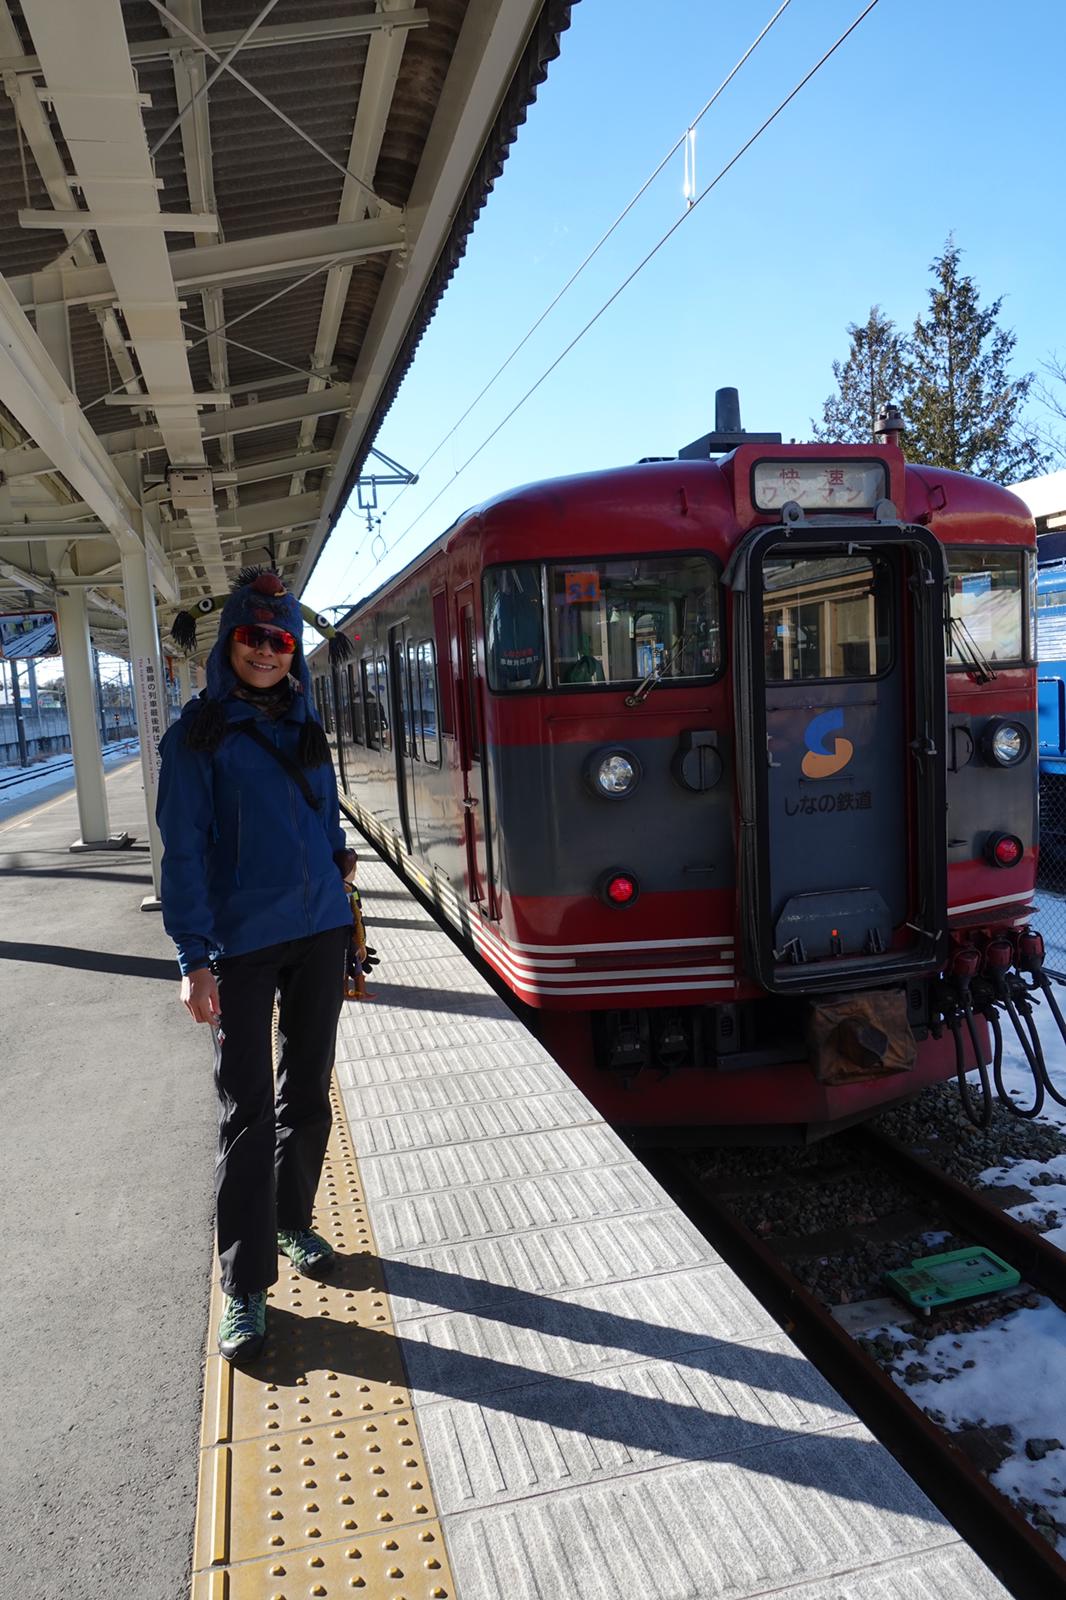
(1051, 880)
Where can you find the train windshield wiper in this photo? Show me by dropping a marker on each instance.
(647, 683)
(970, 653)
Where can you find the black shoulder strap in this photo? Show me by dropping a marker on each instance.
(297, 774)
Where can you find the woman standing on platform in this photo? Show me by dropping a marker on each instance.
(254, 898)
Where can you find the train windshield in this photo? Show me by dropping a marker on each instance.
(985, 590)
(615, 621)
(826, 616)
(619, 621)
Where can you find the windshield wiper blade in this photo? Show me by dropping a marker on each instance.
(971, 651)
(647, 683)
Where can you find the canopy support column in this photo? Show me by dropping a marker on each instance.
(148, 694)
(73, 614)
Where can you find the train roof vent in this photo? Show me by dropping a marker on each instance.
(727, 431)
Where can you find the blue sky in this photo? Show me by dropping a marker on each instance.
(936, 116)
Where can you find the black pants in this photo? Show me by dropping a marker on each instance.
(271, 1146)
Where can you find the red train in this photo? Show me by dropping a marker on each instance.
(726, 766)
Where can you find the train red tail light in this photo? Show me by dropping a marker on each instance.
(619, 889)
(1004, 849)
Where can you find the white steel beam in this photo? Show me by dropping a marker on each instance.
(263, 517)
(35, 393)
(383, 57)
(282, 35)
(190, 82)
(106, 139)
(258, 260)
(114, 216)
(489, 48)
(34, 124)
(238, 419)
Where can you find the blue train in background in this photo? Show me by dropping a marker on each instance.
(1051, 655)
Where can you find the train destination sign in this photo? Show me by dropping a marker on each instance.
(28, 633)
(819, 485)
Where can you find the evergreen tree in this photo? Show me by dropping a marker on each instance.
(960, 404)
(870, 377)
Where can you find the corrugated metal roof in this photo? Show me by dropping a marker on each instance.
(443, 116)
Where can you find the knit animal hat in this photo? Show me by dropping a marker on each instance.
(257, 596)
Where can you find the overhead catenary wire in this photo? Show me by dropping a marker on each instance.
(686, 139)
(722, 172)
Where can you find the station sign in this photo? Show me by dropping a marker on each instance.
(26, 634)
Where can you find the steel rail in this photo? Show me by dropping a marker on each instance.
(1040, 1263)
(1019, 1556)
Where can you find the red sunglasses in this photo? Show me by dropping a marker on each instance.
(275, 639)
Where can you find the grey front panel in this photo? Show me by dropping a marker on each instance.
(983, 797)
(557, 838)
(836, 800)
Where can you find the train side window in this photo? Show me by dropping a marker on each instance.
(427, 696)
(826, 616)
(444, 657)
(355, 704)
(621, 620)
(372, 704)
(985, 605)
(411, 684)
(384, 718)
(344, 706)
(514, 627)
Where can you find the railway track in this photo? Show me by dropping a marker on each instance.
(1024, 1560)
(11, 782)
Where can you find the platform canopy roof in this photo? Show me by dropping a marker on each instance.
(224, 227)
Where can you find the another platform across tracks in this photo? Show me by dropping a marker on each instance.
(529, 1377)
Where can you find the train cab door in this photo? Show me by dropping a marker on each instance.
(401, 722)
(841, 725)
(472, 755)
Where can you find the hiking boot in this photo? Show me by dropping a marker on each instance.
(243, 1326)
(307, 1251)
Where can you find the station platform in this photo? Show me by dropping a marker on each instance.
(528, 1377)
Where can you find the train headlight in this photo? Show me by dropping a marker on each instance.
(1004, 742)
(612, 773)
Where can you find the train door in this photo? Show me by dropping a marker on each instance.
(841, 726)
(401, 722)
(471, 753)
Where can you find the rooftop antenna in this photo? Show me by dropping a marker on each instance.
(727, 431)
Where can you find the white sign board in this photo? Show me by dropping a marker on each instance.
(152, 720)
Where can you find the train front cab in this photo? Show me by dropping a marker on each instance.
(838, 758)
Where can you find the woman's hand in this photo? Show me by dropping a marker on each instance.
(199, 995)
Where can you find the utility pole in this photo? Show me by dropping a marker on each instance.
(99, 697)
(31, 677)
(20, 726)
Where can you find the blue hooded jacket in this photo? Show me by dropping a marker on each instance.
(247, 862)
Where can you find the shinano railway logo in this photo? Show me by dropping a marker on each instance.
(820, 760)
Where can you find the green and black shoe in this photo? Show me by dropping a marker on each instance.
(242, 1329)
(307, 1251)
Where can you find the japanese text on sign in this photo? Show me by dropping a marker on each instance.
(808, 805)
(151, 719)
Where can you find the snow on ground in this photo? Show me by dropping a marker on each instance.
(1012, 1371)
(33, 781)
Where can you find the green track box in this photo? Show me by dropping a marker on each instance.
(955, 1275)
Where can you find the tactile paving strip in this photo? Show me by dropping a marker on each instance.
(312, 1473)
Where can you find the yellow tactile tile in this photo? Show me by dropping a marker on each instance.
(323, 1485)
(406, 1564)
(312, 1477)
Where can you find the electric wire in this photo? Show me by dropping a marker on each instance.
(744, 148)
(597, 247)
